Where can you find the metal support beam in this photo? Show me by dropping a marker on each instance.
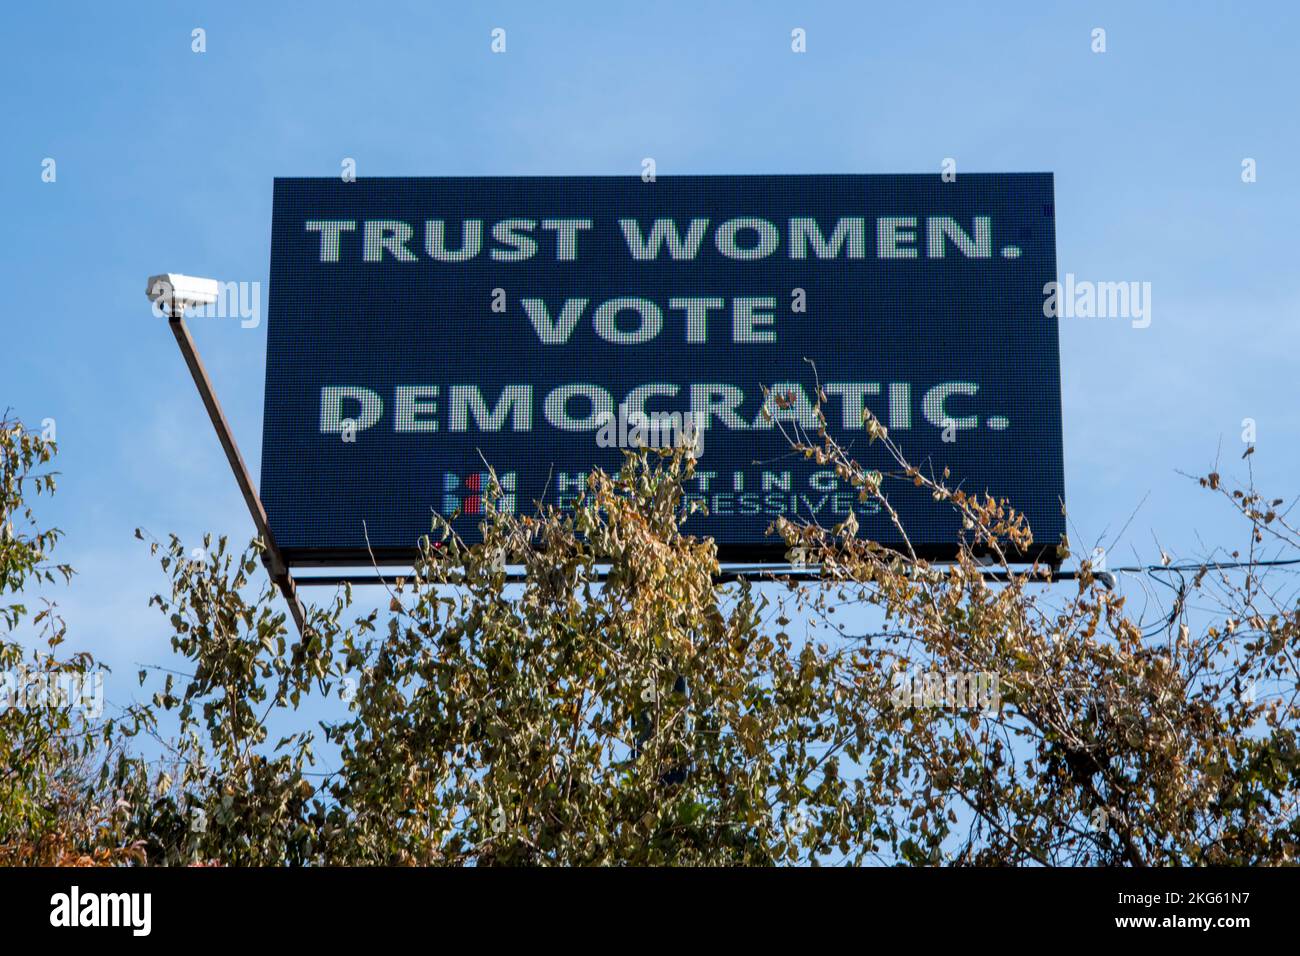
(273, 559)
(780, 575)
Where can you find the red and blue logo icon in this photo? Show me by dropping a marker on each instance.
(466, 493)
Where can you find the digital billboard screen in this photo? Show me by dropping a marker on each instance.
(419, 328)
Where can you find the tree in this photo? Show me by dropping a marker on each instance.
(50, 811)
(620, 707)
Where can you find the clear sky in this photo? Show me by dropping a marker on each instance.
(165, 159)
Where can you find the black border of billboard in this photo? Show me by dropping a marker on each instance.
(755, 554)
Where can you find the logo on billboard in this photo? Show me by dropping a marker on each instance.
(465, 494)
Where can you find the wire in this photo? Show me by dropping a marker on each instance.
(1208, 565)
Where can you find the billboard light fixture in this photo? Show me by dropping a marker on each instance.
(174, 292)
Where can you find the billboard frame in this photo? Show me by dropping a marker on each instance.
(753, 552)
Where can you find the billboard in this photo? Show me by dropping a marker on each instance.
(421, 329)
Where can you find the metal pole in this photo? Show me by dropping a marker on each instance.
(726, 576)
(273, 559)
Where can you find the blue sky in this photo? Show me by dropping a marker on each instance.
(165, 160)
